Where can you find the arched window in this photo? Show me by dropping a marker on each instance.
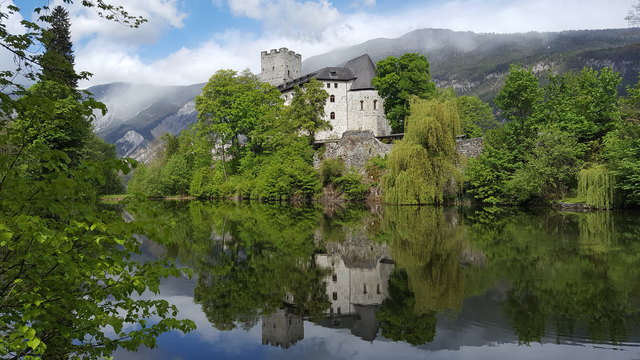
(332, 116)
(375, 104)
(332, 98)
(364, 291)
(361, 104)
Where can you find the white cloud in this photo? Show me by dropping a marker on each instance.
(160, 14)
(314, 27)
(298, 19)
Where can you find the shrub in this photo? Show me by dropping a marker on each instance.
(352, 186)
(331, 169)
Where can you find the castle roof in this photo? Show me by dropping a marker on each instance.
(364, 69)
(360, 69)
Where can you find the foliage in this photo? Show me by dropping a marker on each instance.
(583, 104)
(596, 186)
(97, 150)
(51, 114)
(422, 166)
(247, 258)
(549, 170)
(232, 105)
(519, 96)
(536, 155)
(58, 60)
(630, 106)
(306, 109)
(331, 169)
(352, 186)
(66, 278)
(397, 80)
(622, 152)
(476, 116)
(398, 319)
(261, 150)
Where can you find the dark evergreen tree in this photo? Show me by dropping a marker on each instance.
(58, 59)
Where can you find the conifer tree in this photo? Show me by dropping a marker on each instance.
(58, 59)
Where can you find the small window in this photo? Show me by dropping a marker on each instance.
(335, 85)
(289, 321)
(289, 73)
(335, 296)
(334, 278)
(378, 289)
(332, 116)
(332, 98)
(331, 311)
(364, 291)
(361, 104)
(328, 85)
(333, 73)
(375, 104)
(339, 311)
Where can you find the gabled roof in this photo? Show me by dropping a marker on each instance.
(361, 69)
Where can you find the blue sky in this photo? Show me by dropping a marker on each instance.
(186, 41)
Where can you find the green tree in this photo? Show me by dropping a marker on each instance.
(476, 116)
(397, 79)
(61, 253)
(232, 105)
(519, 97)
(307, 109)
(58, 60)
(549, 170)
(422, 167)
(584, 104)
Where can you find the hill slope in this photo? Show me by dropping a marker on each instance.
(476, 63)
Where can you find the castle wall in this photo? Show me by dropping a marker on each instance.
(347, 287)
(367, 112)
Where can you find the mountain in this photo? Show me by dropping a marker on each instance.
(471, 63)
(138, 114)
(476, 64)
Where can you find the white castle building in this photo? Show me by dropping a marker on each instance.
(353, 103)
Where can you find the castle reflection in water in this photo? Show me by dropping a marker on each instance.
(356, 285)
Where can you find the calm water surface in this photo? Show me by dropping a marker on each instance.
(277, 282)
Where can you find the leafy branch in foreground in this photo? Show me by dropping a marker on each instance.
(68, 283)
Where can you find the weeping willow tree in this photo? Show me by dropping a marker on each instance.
(429, 250)
(422, 166)
(596, 186)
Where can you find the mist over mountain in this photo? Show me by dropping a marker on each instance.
(138, 114)
(476, 64)
(471, 63)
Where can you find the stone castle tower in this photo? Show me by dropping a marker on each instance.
(280, 66)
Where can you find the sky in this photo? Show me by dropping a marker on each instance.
(186, 41)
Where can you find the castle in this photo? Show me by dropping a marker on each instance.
(353, 103)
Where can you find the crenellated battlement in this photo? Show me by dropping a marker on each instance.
(280, 65)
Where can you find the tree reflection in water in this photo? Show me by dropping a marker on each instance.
(563, 275)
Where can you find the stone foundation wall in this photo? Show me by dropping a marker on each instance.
(357, 147)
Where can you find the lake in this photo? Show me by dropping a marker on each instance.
(285, 282)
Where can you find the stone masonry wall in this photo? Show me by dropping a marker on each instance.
(357, 147)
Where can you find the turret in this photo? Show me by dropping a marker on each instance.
(280, 66)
